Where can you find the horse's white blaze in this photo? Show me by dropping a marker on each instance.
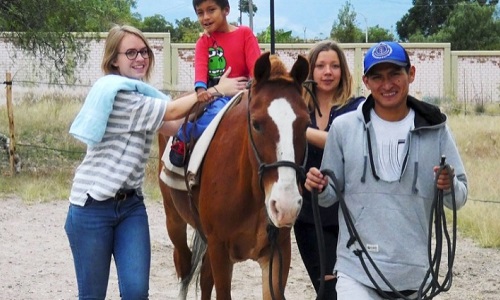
(284, 201)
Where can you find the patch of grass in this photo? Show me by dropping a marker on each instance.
(477, 221)
(478, 139)
(49, 154)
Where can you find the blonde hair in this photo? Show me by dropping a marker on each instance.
(111, 49)
(344, 90)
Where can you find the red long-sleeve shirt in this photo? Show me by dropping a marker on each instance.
(237, 49)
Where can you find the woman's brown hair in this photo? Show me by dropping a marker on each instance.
(344, 90)
(112, 45)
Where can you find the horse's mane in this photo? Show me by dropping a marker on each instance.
(278, 69)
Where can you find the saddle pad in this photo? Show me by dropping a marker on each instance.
(200, 148)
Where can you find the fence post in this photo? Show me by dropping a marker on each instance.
(10, 112)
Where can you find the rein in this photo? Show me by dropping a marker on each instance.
(309, 86)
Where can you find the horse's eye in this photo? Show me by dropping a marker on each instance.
(256, 125)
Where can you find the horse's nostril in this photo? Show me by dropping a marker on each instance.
(274, 207)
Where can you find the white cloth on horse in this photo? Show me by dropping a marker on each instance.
(197, 155)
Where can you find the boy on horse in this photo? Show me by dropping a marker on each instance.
(220, 47)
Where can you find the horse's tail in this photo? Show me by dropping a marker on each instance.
(199, 248)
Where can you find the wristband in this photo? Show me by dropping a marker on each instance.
(218, 91)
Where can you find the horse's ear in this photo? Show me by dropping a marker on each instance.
(300, 69)
(262, 68)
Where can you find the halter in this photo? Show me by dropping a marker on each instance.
(300, 170)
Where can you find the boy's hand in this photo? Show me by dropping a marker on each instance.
(204, 96)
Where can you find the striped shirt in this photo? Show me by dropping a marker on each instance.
(119, 160)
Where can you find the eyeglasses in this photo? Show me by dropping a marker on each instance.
(132, 53)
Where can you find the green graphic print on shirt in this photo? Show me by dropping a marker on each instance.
(216, 62)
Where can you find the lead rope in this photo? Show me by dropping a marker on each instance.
(321, 243)
(438, 217)
(310, 85)
(272, 236)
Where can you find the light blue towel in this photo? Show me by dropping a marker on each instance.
(90, 123)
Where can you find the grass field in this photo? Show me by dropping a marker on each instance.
(49, 156)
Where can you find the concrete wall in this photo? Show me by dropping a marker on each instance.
(471, 76)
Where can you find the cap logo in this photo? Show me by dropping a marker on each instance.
(381, 51)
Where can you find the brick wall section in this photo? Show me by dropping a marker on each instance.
(477, 77)
(429, 79)
(464, 76)
(185, 74)
(29, 78)
(434, 76)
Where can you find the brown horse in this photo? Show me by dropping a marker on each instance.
(249, 185)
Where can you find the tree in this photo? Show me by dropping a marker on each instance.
(280, 35)
(428, 17)
(345, 30)
(471, 27)
(156, 23)
(377, 34)
(187, 31)
(244, 7)
(53, 30)
(248, 7)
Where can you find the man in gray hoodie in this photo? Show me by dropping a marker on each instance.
(385, 156)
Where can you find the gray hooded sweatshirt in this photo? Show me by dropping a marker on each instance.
(392, 218)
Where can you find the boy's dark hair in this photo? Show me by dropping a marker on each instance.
(222, 3)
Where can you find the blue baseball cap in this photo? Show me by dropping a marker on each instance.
(386, 52)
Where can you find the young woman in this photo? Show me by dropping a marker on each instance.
(107, 216)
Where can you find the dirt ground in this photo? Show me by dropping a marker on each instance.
(36, 262)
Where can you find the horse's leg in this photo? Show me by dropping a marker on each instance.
(222, 269)
(177, 232)
(176, 226)
(206, 279)
(278, 268)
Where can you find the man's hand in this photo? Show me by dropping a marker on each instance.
(315, 180)
(444, 181)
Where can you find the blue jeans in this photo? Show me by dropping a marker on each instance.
(102, 229)
(195, 129)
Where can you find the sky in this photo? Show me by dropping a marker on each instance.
(306, 18)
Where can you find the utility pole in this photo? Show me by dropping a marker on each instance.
(366, 27)
(240, 6)
(250, 14)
